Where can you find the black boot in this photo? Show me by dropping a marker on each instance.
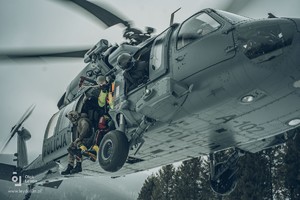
(77, 168)
(68, 170)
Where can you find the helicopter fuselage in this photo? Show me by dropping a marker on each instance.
(228, 82)
(236, 86)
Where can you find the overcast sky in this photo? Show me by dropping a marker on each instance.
(44, 24)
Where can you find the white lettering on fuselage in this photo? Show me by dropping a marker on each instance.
(55, 143)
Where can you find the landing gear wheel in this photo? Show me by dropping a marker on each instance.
(113, 151)
(226, 183)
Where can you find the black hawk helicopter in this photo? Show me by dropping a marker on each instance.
(214, 82)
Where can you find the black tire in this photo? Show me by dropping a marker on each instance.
(113, 151)
(226, 183)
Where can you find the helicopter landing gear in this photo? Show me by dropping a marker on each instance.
(223, 178)
(113, 151)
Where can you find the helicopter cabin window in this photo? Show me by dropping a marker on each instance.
(158, 63)
(157, 52)
(195, 28)
(52, 125)
(156, 59)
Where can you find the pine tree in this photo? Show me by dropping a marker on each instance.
(254, 178)
(148, 188)
(292, 164)
(278, 172)
(165, 183)
(187, 180)
(206, 191)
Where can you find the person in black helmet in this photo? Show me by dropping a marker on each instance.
(135, 71)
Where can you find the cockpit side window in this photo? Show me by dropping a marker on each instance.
(52, 126)
(195, 28)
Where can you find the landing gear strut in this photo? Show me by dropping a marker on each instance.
(223, 178)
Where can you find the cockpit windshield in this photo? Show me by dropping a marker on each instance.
(232, 18)
(195, 28)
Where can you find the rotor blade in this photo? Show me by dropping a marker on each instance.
(6, 143)
(18, 125)
(107, 17)
(70, 54)
(26, 114)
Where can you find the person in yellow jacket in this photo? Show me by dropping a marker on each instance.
(106, 92)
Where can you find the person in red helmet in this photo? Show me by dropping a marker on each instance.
(104, 126)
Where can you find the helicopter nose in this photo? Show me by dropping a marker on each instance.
(263, 41)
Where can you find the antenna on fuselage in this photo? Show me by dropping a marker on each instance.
(172, 16)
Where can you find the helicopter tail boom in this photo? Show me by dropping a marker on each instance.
(22, 136)
(22, 157)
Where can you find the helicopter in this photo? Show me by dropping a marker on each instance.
(216, 81)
